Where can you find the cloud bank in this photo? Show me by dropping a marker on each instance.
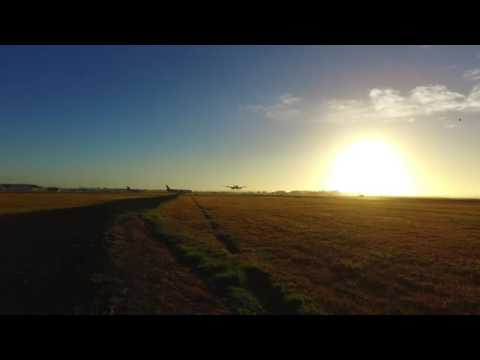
(390, 104)
(380, 104)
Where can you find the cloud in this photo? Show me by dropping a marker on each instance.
(473, 74)
(425, 46)
(380, 104)
(289, 99)
(436, 98)
(286, 107)
(473, 99)
(390, 104)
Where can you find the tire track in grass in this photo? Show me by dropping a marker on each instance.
(221, 273)
(230, 243)
(247, 288)
(144, 277)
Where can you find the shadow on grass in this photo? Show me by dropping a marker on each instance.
(231, 243)
(47, 258)
(273, 296)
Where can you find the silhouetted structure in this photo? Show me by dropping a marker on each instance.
(19, 187)
(178, 191)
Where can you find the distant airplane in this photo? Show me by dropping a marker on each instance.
(236, 187)
(178, 191)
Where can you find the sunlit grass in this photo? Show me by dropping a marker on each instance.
(361, 256)
(26, 202)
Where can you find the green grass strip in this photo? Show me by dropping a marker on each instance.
(246, 288)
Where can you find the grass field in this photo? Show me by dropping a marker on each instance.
(49, 259)
(154, 253)
(347, 255)
(26, 202)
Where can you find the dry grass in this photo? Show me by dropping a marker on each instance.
(352, 255)
(26, 202)
(182, 217)
(265, 254)
(144, 278)
(198, 241)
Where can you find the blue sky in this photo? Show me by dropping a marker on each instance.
(270, 117)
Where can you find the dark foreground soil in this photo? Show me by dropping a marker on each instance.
(51, 262)
(144, 278)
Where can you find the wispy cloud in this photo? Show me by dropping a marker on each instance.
(286, 107)
(451, 126)
(472, 74)
(390, 104)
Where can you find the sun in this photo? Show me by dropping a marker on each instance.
(370, 167)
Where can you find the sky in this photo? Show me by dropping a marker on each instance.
(268, 117)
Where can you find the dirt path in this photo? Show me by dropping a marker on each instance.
(144, 278)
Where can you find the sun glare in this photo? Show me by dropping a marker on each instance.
(370, 167)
